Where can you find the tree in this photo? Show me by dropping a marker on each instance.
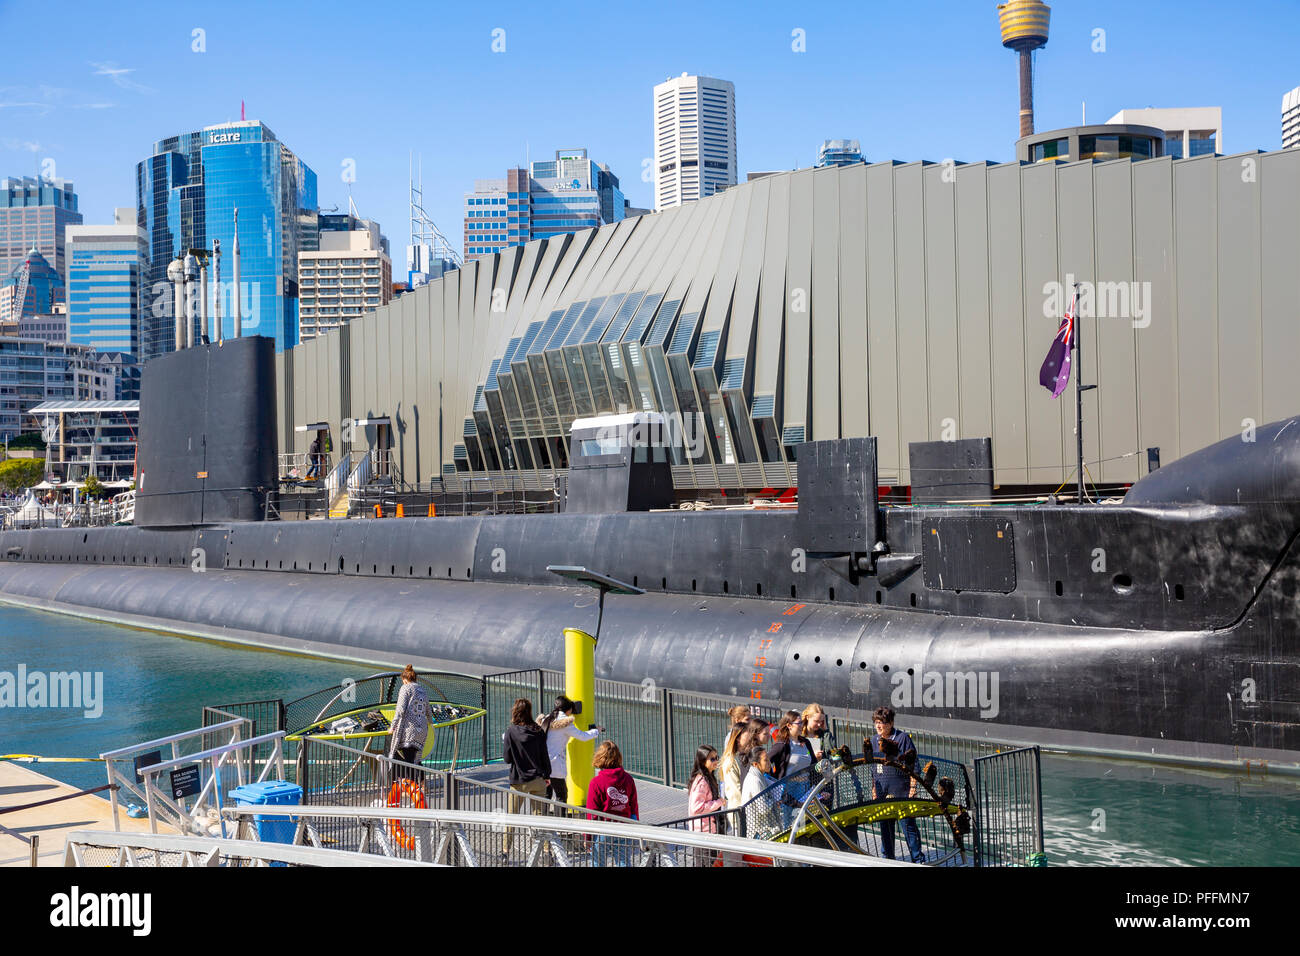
(93, 487)
(19, 473)
(27, 440)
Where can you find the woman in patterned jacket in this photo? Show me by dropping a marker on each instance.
(410, 721)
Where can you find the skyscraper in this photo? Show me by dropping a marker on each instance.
(571, 192)
(839, 152)
(33, 214)
(496, 214)
(1291, 119)
(41, 289)
(349, 274)
(694, 139)
(108, 267)
(551, 197)
(187, 193)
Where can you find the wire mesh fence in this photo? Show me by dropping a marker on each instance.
(658, 732)
(1010, 818)
(695, 719)
(961, 750)
(335, 774)
(848, 805)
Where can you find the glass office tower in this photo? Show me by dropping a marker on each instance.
(33, 215)
(551, 197)
(107, 271)
(186, 195)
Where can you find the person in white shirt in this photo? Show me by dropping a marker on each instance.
(762, 800)
(560, 728)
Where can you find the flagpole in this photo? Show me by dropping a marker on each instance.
(1079, 388)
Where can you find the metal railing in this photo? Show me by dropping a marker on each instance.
(693, 719)
(1010, 808)
(304, 466)
(782, 811)
(101, 848)
(334, 774)
(130, 778)
(338, 477)
(163, 804)
(469, 838)
(359, 477)
(961, 750)
(416, 502)
(658, 731)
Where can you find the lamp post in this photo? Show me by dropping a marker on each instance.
(580, 668)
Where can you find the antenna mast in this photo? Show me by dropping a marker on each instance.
(427, 241)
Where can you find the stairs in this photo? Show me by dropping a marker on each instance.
(339, 504)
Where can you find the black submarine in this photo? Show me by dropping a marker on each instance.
(1164, 626)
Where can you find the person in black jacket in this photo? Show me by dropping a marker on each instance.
(792, 756)
(524, 752)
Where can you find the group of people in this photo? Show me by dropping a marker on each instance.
(535, 752)
(757, 760)
(762, 760)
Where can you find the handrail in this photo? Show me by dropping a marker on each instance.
(212, 848)
(154, 768)
(338, 475)
(174, 738)
(626, 831)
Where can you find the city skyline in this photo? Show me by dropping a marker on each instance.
(91, 106)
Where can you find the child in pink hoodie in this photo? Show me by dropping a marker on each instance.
(613, 790)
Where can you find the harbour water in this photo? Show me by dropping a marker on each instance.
(1095, 811)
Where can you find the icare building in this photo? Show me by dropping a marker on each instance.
(909, 301)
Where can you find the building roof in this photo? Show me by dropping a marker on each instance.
(88, 406)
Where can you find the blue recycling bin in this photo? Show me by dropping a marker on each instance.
(270, 793)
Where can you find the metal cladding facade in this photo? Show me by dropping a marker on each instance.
(910, 302)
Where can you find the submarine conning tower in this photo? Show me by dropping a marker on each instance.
(208, 446)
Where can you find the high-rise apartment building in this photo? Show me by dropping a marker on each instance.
(1192, 131)
(47, 326)
(32, 372)
(839, 152)
(1291, 119)
(349, 274)
(552, 197)
(694, 139)
(108, 269)
(33, 215)
(187, 193)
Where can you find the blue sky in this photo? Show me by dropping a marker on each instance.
(92, 86)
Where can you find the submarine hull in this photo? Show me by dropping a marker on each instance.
(1143, 692)
(1167, 625)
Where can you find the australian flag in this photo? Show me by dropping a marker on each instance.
(1055, 373)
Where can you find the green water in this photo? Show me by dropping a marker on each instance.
(156, 684)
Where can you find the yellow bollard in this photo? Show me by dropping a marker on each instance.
(433, 511)
(379, 512)
(401, 512)
(580, 687)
